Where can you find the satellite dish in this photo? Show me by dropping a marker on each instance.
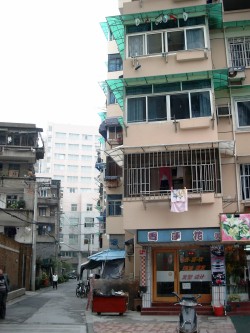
(185, 16)
(137, 21)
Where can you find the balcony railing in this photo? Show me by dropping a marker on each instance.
(165, 195)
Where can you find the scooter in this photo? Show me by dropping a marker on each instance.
(188, 322)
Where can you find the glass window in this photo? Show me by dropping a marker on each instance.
(195, 39)
(245, 181)
(59, 156)
(154, 43)
(89, 207)
(135, 45)
(114, 62)
(73, 239)
(72, 190)
(89, 222)
(179, 105)
(74, 136)
(73, 157)
(200, 104)
(73, 207)
(72, 168)
(73, 221)
(61, 135)
(59, 167)
(72, 179)
(243, 111)
(157, 108)
(136, 110)
(42, 211)
(114, 205)
(60, 145)
(176, 41)
(73, 146)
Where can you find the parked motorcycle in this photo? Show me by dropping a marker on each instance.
(188, 321)
(82, 290)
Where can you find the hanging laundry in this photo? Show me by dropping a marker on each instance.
(179, 200)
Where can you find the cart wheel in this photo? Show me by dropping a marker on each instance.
(121, 313)
(98, 313)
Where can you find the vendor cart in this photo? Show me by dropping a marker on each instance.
(112, 303)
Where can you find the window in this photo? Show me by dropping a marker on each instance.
(73, 221)
(73, 239)
(73, 207)
(60, 145)
(59, 167)
(86, 180)
(243, 113)
(86, 158)
(72, 190)
(73, 157)
(89, 222)
(174, 105)
(87, 137)
(73, 146)
(42, 211)
(86, 147)
(114, 205)
(11, 201)
(85, 190)
(60, 156)
(72, 179)
(148, 43)
(59, 177)
(89, 207)
(239, 51)
(61, 135)
(114, 62)
(111, 98)
(43, 192)
(74, 136)
(72, 168)
(245, 181)
(86, 169)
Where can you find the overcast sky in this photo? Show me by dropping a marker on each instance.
(53, 53)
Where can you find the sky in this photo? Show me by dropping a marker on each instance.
(53, 54)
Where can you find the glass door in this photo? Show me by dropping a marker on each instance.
(165, 277)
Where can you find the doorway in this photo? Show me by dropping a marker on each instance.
(183, 270)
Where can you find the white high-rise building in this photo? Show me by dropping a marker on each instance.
(70, 156)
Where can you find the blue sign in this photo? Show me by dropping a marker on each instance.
(196, 235)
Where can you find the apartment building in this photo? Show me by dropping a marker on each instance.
(176, 167)
(20, 149)
(70, 157)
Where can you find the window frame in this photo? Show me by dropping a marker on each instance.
(164, 41)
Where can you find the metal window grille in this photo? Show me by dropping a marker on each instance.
(201, 169)
(239, 51)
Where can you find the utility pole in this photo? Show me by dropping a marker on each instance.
(34, 230)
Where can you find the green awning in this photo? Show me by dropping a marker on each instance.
(117, 23)
(219, 77)
(237, 24)
(105, 29)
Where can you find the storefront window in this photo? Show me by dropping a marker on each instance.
(195, 271)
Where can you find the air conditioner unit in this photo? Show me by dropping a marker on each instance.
(236, 73)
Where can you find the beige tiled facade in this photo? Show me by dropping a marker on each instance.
(183, 106)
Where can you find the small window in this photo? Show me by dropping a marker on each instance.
(73, 207)
(42, 211)
(89, 207)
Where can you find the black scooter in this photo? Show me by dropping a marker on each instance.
(188, 322)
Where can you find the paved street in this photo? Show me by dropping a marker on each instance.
(60, 311)
(47, 310)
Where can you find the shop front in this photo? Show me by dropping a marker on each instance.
(187, 261)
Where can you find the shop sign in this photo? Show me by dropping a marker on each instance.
(235, 227)
(195, 276)
(179, 235)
